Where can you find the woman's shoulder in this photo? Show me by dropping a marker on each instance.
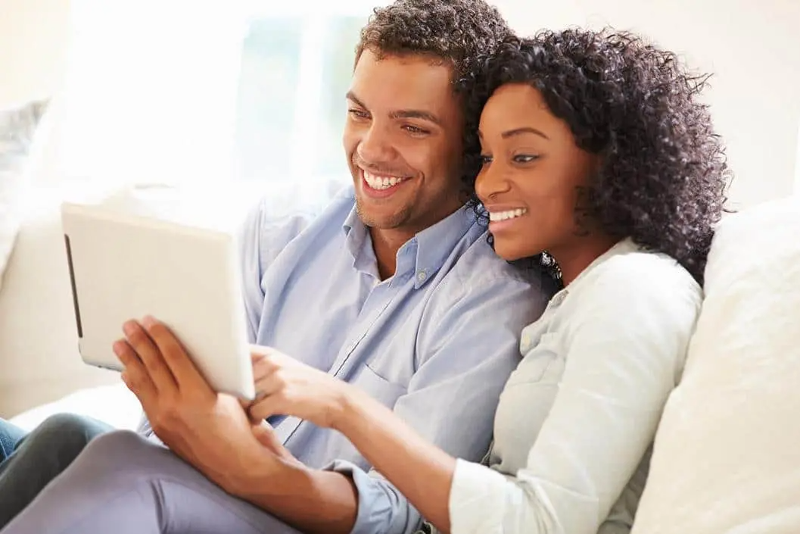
(639, 281)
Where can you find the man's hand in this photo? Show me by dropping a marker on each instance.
(195, 422)
(285, 386)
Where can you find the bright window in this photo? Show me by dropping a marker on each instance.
(214, 92)
(290, 112)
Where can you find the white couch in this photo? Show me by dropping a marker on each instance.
(726, 457)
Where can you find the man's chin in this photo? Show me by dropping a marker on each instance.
(380, 217)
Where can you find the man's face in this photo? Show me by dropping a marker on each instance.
(403, 142)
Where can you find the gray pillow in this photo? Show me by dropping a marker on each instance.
(17, 128)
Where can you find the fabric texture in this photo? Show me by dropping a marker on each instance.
(125, 484)
(39, 457)
(726, 456)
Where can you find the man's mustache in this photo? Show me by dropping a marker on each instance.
(380, 171)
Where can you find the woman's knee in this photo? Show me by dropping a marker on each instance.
(69, 430)
(126, 451)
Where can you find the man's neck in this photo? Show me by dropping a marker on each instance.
(385, 244)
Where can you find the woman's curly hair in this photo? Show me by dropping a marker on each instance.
(663, 175)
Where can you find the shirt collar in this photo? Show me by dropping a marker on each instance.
(621, 247)
(424, 254)
(436, 243)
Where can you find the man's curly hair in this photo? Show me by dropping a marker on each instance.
(663, 175)
(458, 33)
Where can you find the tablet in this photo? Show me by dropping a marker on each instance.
(125, 266)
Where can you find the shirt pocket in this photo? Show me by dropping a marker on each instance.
(377, 387)
(544, 362)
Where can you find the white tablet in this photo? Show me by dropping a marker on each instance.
(127, 266)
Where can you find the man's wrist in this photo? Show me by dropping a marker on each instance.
(347, 409)
(266, 475)
(308, 499)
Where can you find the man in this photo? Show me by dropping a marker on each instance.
(394, 288)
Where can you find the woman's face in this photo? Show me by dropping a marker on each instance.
(530, 175)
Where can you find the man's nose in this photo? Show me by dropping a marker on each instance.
(375, 146)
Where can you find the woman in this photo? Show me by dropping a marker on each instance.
(598, 160)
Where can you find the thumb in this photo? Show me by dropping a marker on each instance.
(265, 435)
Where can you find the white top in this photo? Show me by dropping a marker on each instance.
(577, 418)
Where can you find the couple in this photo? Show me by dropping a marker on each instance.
(394, 326)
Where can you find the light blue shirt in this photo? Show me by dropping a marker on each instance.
(436, 342)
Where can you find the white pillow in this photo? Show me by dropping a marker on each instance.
(17, 127)
(727, 452)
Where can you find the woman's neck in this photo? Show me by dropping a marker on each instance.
(574, 258)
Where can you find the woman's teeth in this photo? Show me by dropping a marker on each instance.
(381, 182)
(506, 215)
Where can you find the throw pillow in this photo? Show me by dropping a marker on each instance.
(17, 127)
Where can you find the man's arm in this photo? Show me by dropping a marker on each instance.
(467, 349)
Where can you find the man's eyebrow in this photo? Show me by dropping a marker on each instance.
(416, 114)
(402, 113)
(353, 98)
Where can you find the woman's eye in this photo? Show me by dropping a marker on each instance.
(524, 158)
(485, 160)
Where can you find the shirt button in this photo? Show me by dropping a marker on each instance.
(421, 276)
(558, 299)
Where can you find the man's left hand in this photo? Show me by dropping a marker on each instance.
(195, 422)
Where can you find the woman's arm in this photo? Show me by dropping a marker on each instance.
(419, 470)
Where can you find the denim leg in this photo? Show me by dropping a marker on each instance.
(10, 435)
(40, 457)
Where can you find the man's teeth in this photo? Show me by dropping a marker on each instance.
(381, 182)
(506, 215)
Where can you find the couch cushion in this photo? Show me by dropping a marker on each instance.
(17, 127)
(726, 455)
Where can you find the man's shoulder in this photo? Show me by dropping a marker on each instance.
(291, 214)
(480, 264)
(479, 273)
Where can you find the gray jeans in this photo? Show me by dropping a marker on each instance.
(125, 484)
(29, 462)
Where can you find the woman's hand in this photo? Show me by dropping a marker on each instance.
(284, 386)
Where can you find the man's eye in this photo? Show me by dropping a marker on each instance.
(415, 130)
(358, 113)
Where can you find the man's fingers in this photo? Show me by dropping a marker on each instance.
(149, 354)
(135, 375)
(177, 360)
(265, 408)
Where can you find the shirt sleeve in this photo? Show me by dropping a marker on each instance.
(465, 360)
(266, 231)
(625, 348)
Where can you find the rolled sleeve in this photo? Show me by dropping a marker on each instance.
(381, 508)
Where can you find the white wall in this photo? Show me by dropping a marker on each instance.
(751, 46)
(33, 47)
